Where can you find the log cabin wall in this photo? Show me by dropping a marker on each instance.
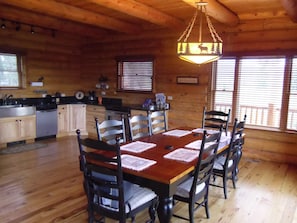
(68, 64)
(55, 58)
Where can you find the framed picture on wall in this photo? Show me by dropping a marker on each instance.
(187, 80)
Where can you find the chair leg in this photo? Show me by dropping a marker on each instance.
(152, 212)
(206, 208)
(225, 186)
(234, 179)
(191, 212)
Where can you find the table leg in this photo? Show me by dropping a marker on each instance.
(165, 209)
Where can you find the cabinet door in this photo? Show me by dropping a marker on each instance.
(94, 111)
(63, 119)
(78, 117)
(27, 127)
(9, 130)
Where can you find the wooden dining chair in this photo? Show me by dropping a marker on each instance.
(226, 164)
(108, 195)
(108, 130)
(139, 126)
(239, 134)
(158, 121)
(194, 190)
(215, 119)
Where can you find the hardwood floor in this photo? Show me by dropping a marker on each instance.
(45, 185)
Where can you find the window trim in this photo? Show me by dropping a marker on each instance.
(143, 58)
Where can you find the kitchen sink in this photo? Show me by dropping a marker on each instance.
(16, 110)
(11, 106)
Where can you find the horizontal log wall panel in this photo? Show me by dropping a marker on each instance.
(56, 59)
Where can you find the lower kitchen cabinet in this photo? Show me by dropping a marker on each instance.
(94, 111)
(78, 118)
(70, 118)
(63, 120)
(15, 129)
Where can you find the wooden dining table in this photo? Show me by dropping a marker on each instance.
(165, 175)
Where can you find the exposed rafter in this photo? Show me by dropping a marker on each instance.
(68, 12)
(218, 12)
(142, 11)
(291, 8)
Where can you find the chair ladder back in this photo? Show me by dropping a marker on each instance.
(108, 130)
(139, 126)
(207, 156)
(214, 119)
(158, 121)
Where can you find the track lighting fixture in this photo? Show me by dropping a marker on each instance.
(25, 26)
(32, 30)
(3, 26)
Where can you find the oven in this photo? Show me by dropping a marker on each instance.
(46, 120)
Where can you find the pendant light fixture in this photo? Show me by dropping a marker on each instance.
(200, 52)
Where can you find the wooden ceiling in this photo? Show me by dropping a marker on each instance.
(95, 18)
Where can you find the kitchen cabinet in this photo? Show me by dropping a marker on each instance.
(70, 118)
(77, 118)
(94, 111)
(19, 128)
(63, 120)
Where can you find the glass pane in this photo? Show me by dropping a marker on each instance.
(225, 74)
(223, 101)
(260, 90)
(292, 113)
(224, 84)
(8, 70)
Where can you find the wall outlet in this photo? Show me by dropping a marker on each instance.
(169, 98)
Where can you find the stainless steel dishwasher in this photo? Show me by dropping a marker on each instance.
(46, 121)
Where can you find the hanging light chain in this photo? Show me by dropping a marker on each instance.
(189, 28)
(215, 36)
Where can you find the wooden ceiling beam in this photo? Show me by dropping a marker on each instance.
(30, 18)
(218, 11)
(291, 8)
(142, 11)
(68, 12)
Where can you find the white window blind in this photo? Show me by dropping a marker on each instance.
(224, 84)
(292, 112)
(260, 90)
(254, 86)
(135, 76)
(9, 75)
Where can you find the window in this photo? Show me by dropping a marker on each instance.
(255, 86)
(135, 75)
(10, 70)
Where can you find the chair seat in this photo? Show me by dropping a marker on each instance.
(140, 196)
(219, 163)
(184, 188)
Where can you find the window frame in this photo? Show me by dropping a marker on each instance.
(123, 59)
(21, 60)
(284, 109)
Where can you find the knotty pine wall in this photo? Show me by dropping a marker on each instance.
(68, 64)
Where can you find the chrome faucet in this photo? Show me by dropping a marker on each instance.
(6, 98)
